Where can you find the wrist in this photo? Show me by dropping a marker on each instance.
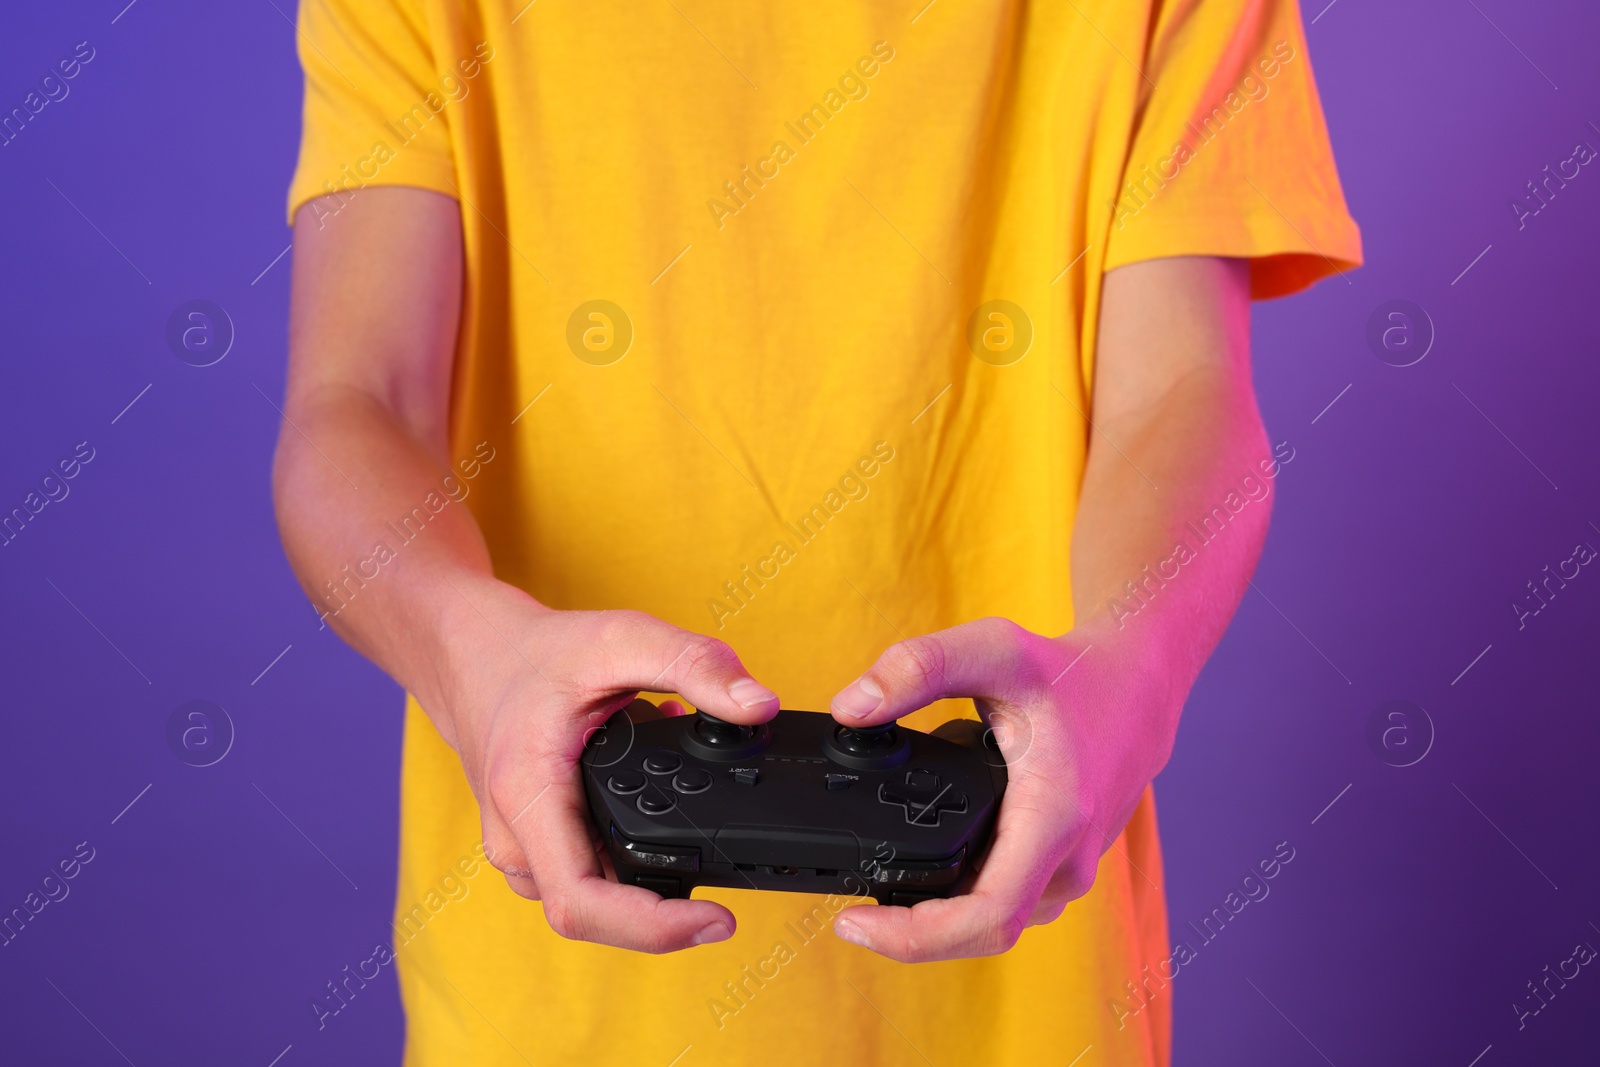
(1143, 679)
(474, 647)
(1158, 653)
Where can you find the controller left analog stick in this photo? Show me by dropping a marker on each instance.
(720, 733)
(718, 739)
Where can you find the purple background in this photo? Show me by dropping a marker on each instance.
(1417, 906)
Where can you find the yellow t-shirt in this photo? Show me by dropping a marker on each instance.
(851, 257)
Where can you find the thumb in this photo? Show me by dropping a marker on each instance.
(978, 659)
(658, 657)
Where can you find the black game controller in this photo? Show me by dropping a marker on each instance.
(799, 804)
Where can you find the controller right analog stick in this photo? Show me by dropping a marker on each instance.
(865, 748)
(867, 740)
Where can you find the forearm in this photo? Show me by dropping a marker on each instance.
(1156, 566)
(1175, 499)
(376, 527)
(374, 514)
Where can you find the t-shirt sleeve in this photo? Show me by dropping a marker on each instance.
(1230, 153)
(375, 107)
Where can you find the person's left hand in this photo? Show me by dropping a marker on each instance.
(1084, 722)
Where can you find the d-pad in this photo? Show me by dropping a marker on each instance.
(923, 798)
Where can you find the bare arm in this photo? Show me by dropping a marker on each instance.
(515, 687)
(374, 304)
(1176, 431)
(1087, 719)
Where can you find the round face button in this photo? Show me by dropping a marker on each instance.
(662, 762)
(693, 780)
(626, 783)
(656, 802)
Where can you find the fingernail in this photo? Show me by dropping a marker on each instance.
(850, 932)
(747, 693)
(859, 699)
(717, 931)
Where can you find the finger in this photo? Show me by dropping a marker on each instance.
(641, 710)
(511, 863)
(505, 854)
(1048, 910)
(539, 808)
(645, 653)
(983, 659)
(1028, 846)
(523, 886)
(581, 904)
(1066, 885)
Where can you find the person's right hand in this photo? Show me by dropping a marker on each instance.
(519, 709)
